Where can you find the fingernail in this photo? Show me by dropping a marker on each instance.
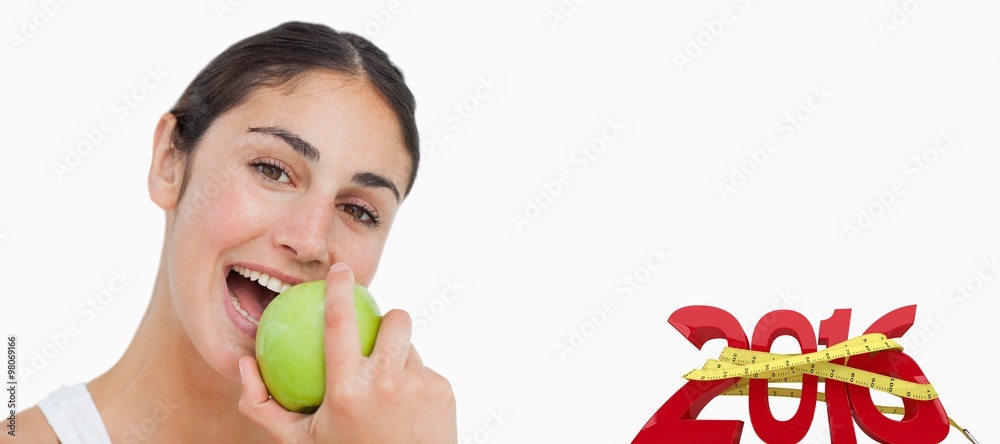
(338, 267)
(240, 365)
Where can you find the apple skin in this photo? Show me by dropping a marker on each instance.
(290, 343)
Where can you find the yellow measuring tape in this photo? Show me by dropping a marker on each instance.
(774, 367)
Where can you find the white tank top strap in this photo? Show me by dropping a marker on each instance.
(72, 414)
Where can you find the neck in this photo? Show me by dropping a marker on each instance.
(161, 390)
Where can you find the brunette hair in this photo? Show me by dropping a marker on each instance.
(277, 57)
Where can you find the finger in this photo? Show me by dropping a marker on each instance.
(257, 405)
(341, 341)
(414, 361)
(392, 344)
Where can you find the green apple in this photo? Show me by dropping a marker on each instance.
(290, 343)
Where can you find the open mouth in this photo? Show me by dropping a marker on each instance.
(251, 291)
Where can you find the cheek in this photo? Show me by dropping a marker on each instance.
(213, 215)
(217, 213)
(361, 253)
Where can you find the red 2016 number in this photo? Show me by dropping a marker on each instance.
(676, 420)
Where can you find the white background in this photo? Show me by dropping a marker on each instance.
(526, 288)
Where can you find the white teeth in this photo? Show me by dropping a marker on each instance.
(274, 285)
(271, 283)
(240, 310)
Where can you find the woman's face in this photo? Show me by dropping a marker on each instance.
(287, 184)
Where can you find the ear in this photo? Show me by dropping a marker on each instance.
(167, 170)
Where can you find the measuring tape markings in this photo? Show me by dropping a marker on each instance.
(749, 364)
(762, 365)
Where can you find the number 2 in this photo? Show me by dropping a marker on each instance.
(676, 420)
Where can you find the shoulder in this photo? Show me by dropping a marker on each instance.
(32, 428)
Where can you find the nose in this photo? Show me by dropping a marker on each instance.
(305, 233)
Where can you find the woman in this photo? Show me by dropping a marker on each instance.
(286, 159)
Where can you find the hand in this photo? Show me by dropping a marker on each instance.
(389, 397)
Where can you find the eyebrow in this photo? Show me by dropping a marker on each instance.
(374, 180)
(297, 143)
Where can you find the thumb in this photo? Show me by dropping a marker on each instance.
(258, 406)
(341, 340)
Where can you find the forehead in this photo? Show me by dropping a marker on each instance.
(343, 116)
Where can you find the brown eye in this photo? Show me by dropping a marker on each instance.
(272, 172)
(355, 212)
(361, 214)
